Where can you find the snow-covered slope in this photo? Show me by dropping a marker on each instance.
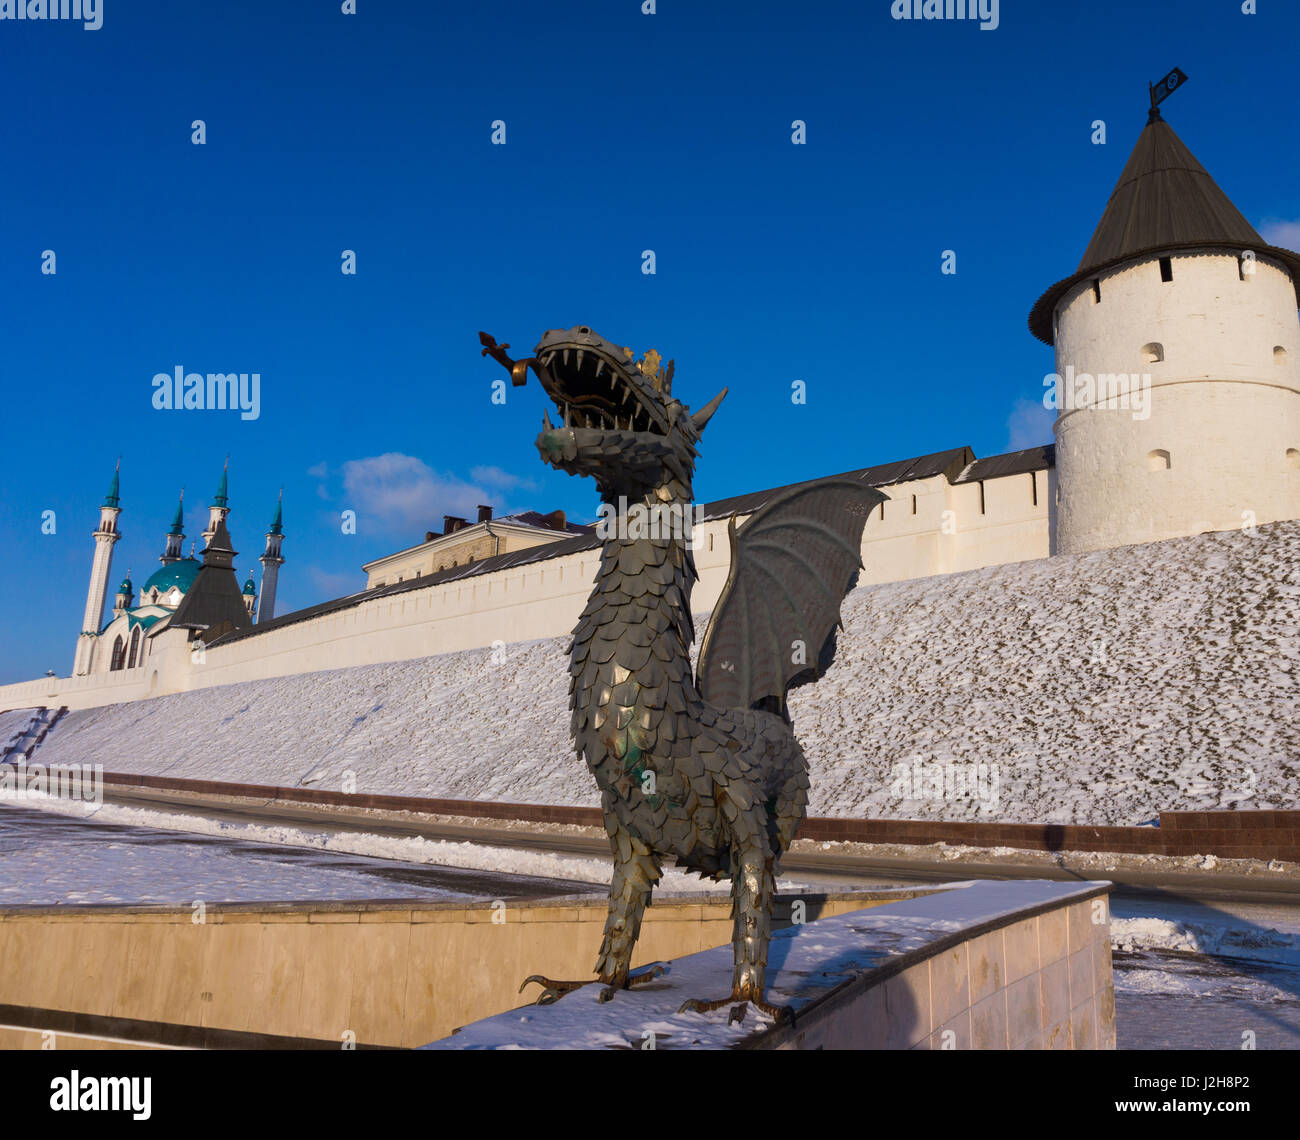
(1096, 688)
(13, 724)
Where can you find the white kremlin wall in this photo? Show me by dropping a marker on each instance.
(951, 530)
(1091, 688)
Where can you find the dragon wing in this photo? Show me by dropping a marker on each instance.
(792, 562)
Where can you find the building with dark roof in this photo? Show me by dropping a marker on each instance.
(461, 542)
(1177, 381)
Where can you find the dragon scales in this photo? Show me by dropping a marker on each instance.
(699, 767)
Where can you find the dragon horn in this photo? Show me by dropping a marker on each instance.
(702, 417)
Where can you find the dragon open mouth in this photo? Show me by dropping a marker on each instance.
(592, 389)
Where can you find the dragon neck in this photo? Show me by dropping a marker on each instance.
(642, 589)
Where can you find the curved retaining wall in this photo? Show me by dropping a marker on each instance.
(1021, 965)
(295, 975)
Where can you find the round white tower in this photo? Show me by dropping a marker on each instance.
(1177, 363)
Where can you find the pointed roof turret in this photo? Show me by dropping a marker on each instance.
(219, 552)
(1164, 200)
(112, 499)
(277, 523)
(178, 523)
(214, 604)
(221, 499)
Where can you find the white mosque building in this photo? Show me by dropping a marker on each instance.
(202, 598)
(1177, 388)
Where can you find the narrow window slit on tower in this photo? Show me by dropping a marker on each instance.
(1033, 483)
(913, 504)
(981, 496)
(1096, 291)
(1166, 269)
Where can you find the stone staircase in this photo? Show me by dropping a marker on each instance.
(26, 740)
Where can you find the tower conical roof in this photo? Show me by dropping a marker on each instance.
(1164, 200)
(219, 552)
(214, 603)
(220, 499)
(113, 499)
(277, 523)
(178, 523)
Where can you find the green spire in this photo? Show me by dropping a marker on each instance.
(111, 499)
(178, 523)
(277, 523)
(249, 586)
(221, 499)
(126, 587)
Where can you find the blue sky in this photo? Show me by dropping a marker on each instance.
(624, 132)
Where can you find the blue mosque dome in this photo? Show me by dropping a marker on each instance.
(250, 587)
(180, 574)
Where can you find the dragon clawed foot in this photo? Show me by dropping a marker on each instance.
(554, 990)
(740, 1001)
(633, 981)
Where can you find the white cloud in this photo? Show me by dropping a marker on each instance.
(401, 494)
(499, 478)
(1029, 425)
(317, 472)
(1276, 231)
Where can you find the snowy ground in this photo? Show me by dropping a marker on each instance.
(12, 725)
(1098, 688)
(1205, 976)
(54, 859)
(1187, 975)
(123, 872)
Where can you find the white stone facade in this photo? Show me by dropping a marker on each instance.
(930, 526)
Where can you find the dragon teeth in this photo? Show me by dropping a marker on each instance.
(581, 354)
(600, 367)
(566, 358)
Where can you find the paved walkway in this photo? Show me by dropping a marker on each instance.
(52, 860)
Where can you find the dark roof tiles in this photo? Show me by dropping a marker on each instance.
(1013, 463)
(1164, 200)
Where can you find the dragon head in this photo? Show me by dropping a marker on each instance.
(620, 423)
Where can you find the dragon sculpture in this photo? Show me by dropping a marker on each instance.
(702, 768)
